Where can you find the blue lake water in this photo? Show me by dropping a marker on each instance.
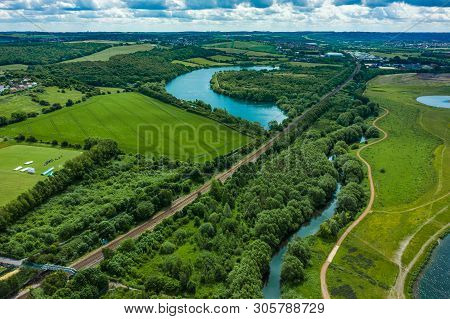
(436, 100)
(272, 289)
(195, 85)
(434, 282)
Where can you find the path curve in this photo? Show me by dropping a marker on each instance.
(323, 270)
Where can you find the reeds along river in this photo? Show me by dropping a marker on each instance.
(195, 85)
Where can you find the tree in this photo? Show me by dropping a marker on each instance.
(53, 282)
(372, 132)
(207, 230)
(144, 210)
(292, 270)
(298, 248)
(165, 197)
(69, 103)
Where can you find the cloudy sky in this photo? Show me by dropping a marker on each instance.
(225, 15)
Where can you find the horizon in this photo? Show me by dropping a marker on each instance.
(225, 15)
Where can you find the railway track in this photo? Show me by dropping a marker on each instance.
(95, 257)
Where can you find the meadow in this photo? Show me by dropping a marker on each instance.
(411, 185)
(13, 183)
(116, 50)
(163, 129)
(245, 45)
(12, 67)
(21, 101)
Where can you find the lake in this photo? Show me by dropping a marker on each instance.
(195, 85)
(435, 100)
(272, 289)
(434, 281)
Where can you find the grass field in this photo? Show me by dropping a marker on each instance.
(21, 101)
(13, 183)
(389, 55)
(222, 58)
(411, 201)
(245, 45)
(165, 130)
(311, 65)
(12, 67)
(185, 63)
(206, 62)
(107, 53)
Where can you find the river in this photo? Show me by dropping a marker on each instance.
(434, 281)
(195, 85)
(272, 289)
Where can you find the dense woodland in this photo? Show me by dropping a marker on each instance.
(46, 53)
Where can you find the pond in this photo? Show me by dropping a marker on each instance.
(195, 85)
(434, 281)
(435, 100)
(272, 289)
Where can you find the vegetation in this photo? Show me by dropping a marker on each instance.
(46, 53)
(407, 182)
(14, 182)
(106, 54)
(177, 133)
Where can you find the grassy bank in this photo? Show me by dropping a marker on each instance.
(411, 184)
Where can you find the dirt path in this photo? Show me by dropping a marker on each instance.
(323, 270)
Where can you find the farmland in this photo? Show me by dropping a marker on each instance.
(411, 188)
(13, 182)
(119, 116)
(245, 45)
(116, 50)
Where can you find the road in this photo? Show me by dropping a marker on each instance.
(328, 261)
(95, 257)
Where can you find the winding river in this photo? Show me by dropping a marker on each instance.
(272, 289)
(434, 281)
(195, 85)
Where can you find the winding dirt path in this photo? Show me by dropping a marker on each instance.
(367, 210)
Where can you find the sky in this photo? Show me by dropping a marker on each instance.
(225, 15)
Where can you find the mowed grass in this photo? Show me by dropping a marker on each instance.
(411, 201)
(138, 123)
(312, 65)
(104, 55)
(13, 183)
(21, 101)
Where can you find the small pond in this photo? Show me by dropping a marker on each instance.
(435, 100)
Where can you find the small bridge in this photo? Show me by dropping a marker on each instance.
(8, 262)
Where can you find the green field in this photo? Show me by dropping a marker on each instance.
(245, 45)
(185, 63)
(117, 50)
(165, 130)
(12, 67)
(21, 101)
(311, 65)
(206, 62)
(222, 58)
(411, 184)
(389, 55)
(13, 183)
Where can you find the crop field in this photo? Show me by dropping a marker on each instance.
(117, 50)
(138, 123)
(13, 183)
(222, 58)
(21, 101)
(185, 63)
(412, 186)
